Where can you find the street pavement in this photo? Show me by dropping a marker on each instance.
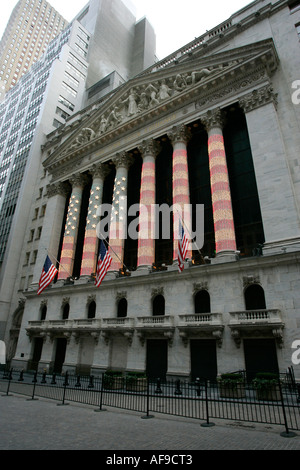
(42, 424)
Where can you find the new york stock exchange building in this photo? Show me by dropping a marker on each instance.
(212, 126)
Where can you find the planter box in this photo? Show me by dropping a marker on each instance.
(113, 383)
(232, 391)
(272, 394)
(136, 384)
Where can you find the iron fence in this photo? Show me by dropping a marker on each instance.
(202, 399)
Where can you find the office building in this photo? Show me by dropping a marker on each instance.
(30, 29)
(53, 90)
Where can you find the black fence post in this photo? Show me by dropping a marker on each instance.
(285, 433)
(91, 382)
(198, 391)
(65, 384)
(147, 416)
(44, 381)
(34, 381)
(177, 388)
(9, 382)
(208, 423)
(158, 387)
(101, 396)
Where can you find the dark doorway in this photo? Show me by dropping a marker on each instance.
(202, 302)
(61, 347)
(158, 306)
(203, 359)
(37, 352)
(255, 298)
(260, 356)
(157, 358)
(122, 308)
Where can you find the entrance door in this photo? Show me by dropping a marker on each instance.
(61, 346)
(203, 359)
(157, 358)
(37, 352)
(260, 356)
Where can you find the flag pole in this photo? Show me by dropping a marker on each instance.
(122, 262)
(202, 259)
(59, 263)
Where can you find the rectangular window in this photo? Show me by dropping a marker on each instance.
(66, 103)
(69, 89)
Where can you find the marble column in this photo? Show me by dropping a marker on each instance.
(179, 137)
(146, 240)
(71, 229)
(49, 242)
(219, 181)
(118, 223)
(90, 246)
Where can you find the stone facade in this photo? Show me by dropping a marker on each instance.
(233, 298)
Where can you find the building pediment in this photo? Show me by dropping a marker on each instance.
(151, 95)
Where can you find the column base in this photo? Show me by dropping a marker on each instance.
(226, 256)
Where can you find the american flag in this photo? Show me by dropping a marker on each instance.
(182, 247)
(104, 262)
(48, 274)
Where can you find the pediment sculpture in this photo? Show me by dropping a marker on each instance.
(139, 99)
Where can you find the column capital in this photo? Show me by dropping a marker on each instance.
(257, 98)
(78, 180)
(123, 159)
(54, 189)
(213, 118)
(99, 171)
(149, 147)
(179, 133)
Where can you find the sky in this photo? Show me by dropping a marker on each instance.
(175, 22)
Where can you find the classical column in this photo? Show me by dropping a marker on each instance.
(146, 242)
(53, 220)
(71, 229)
(90, 246)
(179, 137)
(219, 181)
(118, 224)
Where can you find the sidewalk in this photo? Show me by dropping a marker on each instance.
(41, 424)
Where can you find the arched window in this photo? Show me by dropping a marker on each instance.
(92, 309)
(202, 302)
(122, 308)
(255, 297)
(65, 312)
(43, 312)
(158, 305)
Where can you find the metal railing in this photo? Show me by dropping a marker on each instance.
(200, 399)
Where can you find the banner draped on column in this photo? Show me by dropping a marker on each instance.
(90, 247)
(179, 137)
(118, 224)
(220, 189)
(146, 241)
(71, 229)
